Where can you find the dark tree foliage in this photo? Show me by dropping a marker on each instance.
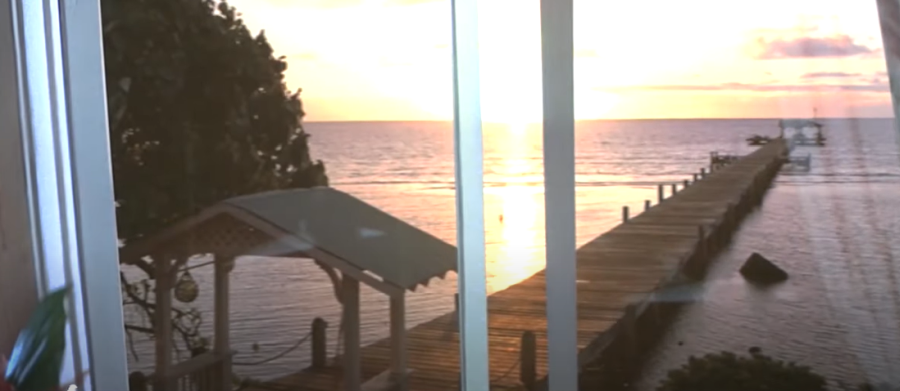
(728, 371)
(198, 112)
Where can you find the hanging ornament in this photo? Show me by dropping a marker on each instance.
(186, 289)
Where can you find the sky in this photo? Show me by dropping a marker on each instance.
(362, 60)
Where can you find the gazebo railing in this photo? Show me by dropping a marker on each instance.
(203, 372)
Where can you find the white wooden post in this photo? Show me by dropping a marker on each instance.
(222, 346)
(399, 362)
(350, 300)
(163, 291)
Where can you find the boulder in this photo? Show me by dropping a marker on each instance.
(760, 270)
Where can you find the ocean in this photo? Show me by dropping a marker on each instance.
(830, 228)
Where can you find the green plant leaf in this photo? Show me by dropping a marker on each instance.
(37, 356)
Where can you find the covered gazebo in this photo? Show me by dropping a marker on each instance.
(351, 240)
(794, 130)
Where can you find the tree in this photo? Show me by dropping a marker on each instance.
(198, 113)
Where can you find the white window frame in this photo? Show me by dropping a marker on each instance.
(474, 365)
(890, 32)
(559, 192)
(64, 125)
(558, 70)
(57, 50)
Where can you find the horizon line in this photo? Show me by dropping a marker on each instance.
(601, 119)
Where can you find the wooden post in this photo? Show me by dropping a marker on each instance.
(350, 301)
(630, 334)
(398, 340)
(456, 303)
(624, 214)
(695, 178)
(528, 360)
(137, 381)
(660, 194)
(701, 237)
(686, 183)
(319, 343)
(646, 205)
(163, 324)
(222, 337)
(703, 172)
(674, 188)
(731, 224)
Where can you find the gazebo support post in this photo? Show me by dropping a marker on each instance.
(222, 341)
(399, 362)
(352, 361)
(163, 326)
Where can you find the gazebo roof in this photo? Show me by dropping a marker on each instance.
(798, 123)
(323, 223)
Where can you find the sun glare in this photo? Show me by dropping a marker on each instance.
(594, 105)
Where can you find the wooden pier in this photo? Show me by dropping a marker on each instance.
(619, 275)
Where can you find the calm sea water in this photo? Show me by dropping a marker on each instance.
(830, 228)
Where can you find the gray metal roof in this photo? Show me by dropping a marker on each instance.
(354, 231)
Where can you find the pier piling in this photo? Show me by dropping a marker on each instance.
(319, 343)
(528, 360)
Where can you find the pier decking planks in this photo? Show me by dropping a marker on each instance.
(616, 270)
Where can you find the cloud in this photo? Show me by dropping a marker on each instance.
(840, 45)
(744, 87)
(829, 75)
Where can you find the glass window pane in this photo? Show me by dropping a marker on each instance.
(279, 238)
(528, 132)
(714, 137)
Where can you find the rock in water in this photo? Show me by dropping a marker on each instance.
(760, 270)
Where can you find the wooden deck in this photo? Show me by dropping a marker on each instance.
(617, 275)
